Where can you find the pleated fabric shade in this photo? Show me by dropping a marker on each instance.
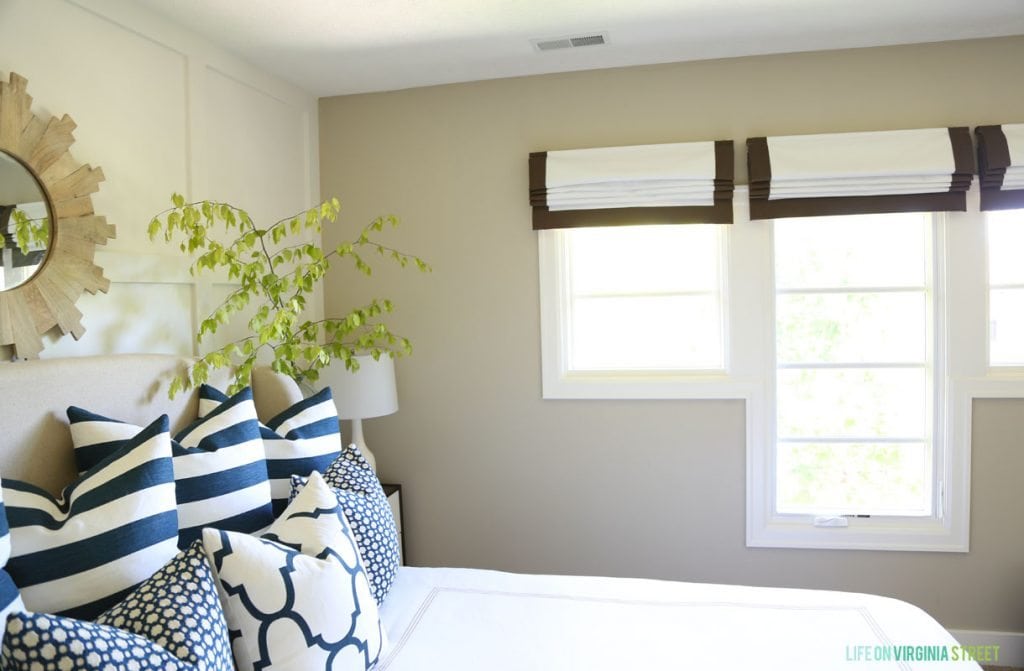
(677, 183)
(1001, 166)
(918, 170)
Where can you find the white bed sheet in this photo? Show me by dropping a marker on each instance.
(462, 619)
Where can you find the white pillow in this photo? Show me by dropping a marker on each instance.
(298, 597)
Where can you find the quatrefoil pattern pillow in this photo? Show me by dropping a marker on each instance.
(298, 598)
(179, 609)
(373, 526)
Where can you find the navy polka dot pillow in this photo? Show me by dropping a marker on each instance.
(179, 610)
(38, 642)
(172, 621)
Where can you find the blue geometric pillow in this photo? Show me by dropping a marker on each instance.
(298, 597)
(38, 642)
(179, 610)
(10, 597)
(110, 530)
(220, 468)
(373, 526)
(351, 471)
(302, 439)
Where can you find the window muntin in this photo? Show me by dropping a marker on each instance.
(1005, 231)
(854, 378)
(644, 299)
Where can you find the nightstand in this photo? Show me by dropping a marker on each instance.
(394, 494)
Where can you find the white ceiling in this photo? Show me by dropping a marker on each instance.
(332, 47)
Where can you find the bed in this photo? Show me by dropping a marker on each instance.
(456, 619)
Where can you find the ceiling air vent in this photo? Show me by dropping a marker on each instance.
(570, 42)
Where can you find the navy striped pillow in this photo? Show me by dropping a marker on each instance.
(10, 597)
(109, 531)
(302, 439)
(219, 466)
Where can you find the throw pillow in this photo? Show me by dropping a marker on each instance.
(39, 642)
(179, 610)
(302, 439)
(10, 597)
(353, 472)
(109, 531)
(298, 597)
(219, 465)
(373, 526)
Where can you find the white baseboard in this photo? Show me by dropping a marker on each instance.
(1011, 644)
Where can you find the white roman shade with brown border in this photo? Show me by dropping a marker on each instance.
(678, 183)
(1001, 166)
(921, 170)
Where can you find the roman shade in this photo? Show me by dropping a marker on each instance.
(1001, 166)
(678, 183)
(924, 170)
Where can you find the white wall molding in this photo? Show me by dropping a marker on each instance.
(162, 110)
(1011, 644)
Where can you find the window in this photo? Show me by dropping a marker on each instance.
(855, 365)
(1006, 288)
(856, 343)
(644, 298)
(635, 312)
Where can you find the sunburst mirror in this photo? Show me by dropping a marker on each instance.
(48, 227)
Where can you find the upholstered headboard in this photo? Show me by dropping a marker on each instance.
(35, 444)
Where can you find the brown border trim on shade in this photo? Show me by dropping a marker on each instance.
(993, 160)
(954, 200)
(825, 207)
(719, 213)
(1001, 200)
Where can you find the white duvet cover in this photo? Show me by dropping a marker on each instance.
(462, 619)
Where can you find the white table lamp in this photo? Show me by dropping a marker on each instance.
(365, 393)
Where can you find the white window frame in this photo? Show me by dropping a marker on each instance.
(1005, 372)
(961, 304)
(741, 372)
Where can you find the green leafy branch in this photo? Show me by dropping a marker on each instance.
(30, 233)
(277, 281)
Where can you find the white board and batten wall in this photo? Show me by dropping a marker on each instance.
(161, 110)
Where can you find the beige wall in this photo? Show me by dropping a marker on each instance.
(160, 110)
(496, 477)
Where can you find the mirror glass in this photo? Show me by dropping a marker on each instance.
(24, 223)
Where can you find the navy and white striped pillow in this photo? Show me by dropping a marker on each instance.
(10, 597)
(302, 439)
(110, 530)
(219, 466)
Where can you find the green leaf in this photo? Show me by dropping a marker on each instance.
(178, 200)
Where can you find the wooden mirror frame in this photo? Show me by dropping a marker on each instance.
(47, 300)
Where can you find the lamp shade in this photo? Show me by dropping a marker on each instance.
(367, 392)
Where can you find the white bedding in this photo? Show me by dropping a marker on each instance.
(456, 619)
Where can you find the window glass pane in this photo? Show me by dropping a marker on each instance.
(849, 402)
(635, 259)
(852, 328)
(1006, 327)
(851, 251)
(852, 478)
(1005, 242)
(646, 333)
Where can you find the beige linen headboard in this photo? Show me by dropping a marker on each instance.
(35, 444)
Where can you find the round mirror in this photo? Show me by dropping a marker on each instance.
(24, 223)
